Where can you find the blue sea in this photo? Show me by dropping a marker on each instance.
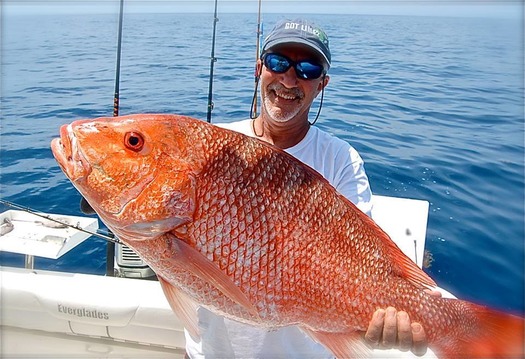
(435, 106)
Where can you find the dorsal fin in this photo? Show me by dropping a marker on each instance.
(404, 266)
(407, 268)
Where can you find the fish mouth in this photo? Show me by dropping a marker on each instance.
(68, 154)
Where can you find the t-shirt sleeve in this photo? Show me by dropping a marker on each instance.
(351, 180)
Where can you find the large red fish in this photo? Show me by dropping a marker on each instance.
(244, 229)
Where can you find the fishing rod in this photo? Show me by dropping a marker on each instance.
(116, 97)
(213, 59)
(110, 248)
(257, 48)
(108, 237)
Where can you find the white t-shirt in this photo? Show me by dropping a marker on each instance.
(221, 338)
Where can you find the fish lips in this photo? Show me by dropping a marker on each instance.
(69, 156)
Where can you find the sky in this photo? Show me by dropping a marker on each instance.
(477, 8)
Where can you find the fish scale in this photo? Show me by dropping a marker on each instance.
(249, 232)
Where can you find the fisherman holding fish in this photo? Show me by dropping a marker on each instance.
(292, 72)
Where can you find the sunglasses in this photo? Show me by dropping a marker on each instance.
(306, 69)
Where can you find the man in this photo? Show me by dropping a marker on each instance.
(292, 72)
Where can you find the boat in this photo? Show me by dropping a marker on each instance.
(66, 315)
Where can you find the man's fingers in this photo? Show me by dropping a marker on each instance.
(375, 328)
(390, 328)
(404, 331)
(419, 340)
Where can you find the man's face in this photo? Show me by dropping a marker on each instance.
(286, 96)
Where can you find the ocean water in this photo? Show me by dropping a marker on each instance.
(434, 105)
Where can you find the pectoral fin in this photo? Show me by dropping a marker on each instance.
(183, 306)
(200, 266)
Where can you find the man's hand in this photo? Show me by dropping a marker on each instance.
(392, 329)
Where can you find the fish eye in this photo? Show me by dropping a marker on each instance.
(134, 141)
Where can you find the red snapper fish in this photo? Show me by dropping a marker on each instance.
(240, 227)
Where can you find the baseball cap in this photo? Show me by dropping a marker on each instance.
(299, 31)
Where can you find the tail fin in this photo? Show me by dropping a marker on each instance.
(493, 335)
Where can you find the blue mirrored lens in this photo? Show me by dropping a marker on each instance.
(307, 70)
(303, 69)
(277, 63)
